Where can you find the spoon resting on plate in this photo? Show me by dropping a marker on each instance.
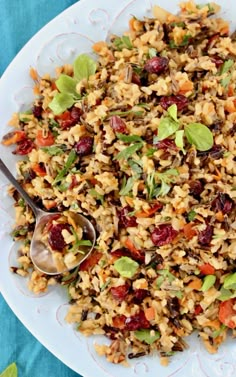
(41, 254)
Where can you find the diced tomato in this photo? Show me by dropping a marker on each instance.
(227, 313)
(91, 261)
(13, 137)
(207, 269)
(44, 141)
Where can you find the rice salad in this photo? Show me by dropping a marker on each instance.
(141, 140)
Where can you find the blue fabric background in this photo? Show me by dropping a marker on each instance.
(19, 21)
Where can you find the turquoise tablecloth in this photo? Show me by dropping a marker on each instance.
(19, 21)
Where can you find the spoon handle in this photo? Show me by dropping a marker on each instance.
(22, 192)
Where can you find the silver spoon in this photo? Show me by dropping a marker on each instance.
(40, 254)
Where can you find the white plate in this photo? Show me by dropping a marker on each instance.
(71, 33)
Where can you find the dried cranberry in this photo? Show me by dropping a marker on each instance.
(118, 125)
(205, 236)
(140, 295)
(223, 203)
(212, 41)
(195, 188)
(37, 111)
(179, 100)
(163, 234)
(75, 113)
(125, 219)
(24, 147)
(137, 321)
(166, 144)
(120, 253)
(55, 237)
(136, 79)
(217, 61)
(156, 65)
(84, 146)
(119, 293)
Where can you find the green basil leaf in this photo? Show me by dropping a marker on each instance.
(54, 150)
(10, 371)
(226, 66)
(61, 102)
(67, 84)
(128, 138)
(167, 127)
(84, 66)
(129, 151)
(200, 136)
(225, 82)
(147, 336)
(126, 267)
(69, 162)
(127, 186)
(164, 189)
(179, 140)
(172, 111)
(123, 42)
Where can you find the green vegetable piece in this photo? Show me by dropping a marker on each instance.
(147, 336)
(67, 84)
(128, 138)
(167, 127)
(191, 215)
(152, 52)
(136, 167)
(84, 66)
(166, 175)
(179, 140)
(185, 40)
(69, 162)
(172, 111)
(150, 152)
(226, 294)
(208, 282)
(127, 186)
(123, 42)
(126, 267)
(164, 189)
(129, 151)
(219, 331)
(96, 195)
(230, 281)
(54, 150)
(167, 274)
(225, 82)
(200, 136)
(105, 285)
(226, 66)
(61, 102)
(10, 371)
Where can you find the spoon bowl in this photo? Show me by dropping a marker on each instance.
(42, 256)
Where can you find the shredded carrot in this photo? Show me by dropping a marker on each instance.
(187, 86)
(49, 204)
(189, 232)
(149, 313)
(215, 324)
(149, 212)
(129, 244)
(33, 74)
(230, 91)
(217, 176)
(196, 283)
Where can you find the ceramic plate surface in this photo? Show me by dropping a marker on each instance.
(71, 33)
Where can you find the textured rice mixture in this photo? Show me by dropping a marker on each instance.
(143, 143)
